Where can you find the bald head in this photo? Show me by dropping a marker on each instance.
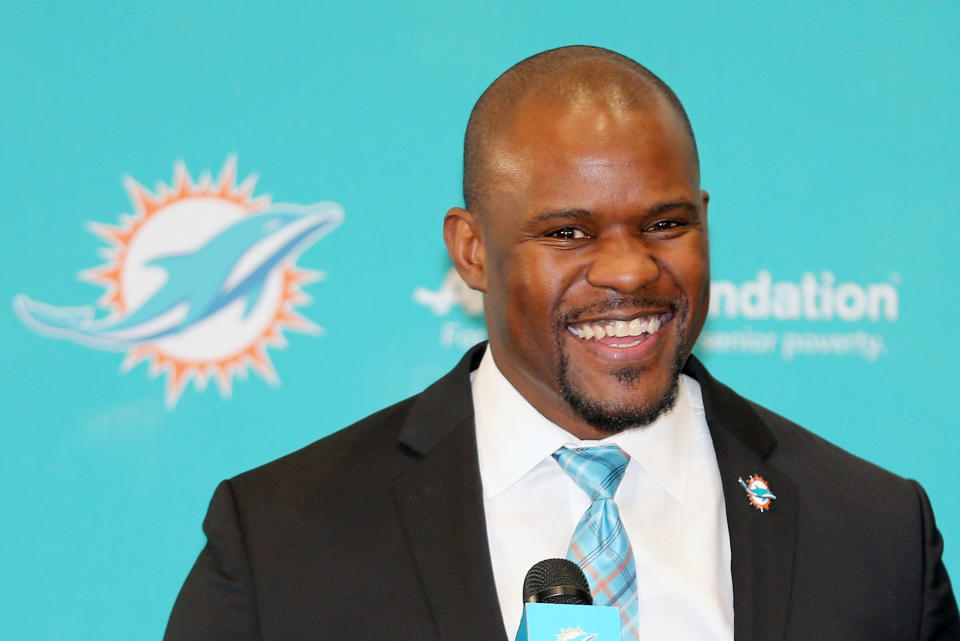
(574, 78)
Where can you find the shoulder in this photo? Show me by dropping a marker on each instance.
(816, 462)
(355, 456)
(840, 495)
(361, 459)
(858, 526)
(838, 488)
(808, 458)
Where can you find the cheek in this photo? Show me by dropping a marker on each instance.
(687, 258)
(689, 266)
(534, 287)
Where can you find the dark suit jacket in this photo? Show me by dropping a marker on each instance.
(377, 532)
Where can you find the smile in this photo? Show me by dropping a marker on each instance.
(639, 328)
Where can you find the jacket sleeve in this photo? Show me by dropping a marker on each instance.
(217, 600)
(939, 620)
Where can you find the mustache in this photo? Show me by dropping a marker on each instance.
(620, 303)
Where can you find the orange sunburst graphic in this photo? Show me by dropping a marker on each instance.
(199, 281)
(146, 205)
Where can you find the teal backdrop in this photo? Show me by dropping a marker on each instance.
(828, 137)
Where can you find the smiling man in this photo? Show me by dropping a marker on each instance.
(583, 429)
(587, 230)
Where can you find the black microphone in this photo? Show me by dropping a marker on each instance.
(557, 600)
(556, 581)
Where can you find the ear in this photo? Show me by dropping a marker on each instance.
(464, 240)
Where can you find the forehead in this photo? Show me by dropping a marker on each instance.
(591, 146)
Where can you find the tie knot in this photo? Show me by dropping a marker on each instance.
(597, 470)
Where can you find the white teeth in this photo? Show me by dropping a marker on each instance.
(618, 328)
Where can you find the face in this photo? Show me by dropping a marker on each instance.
(592, 253)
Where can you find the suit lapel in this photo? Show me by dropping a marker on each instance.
(761, 542)
(441, 505)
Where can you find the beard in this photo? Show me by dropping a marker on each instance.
(614, 417)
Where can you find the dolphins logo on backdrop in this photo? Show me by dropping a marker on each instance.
(199, 281)
(453, 291)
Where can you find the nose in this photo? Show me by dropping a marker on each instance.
(624, 264)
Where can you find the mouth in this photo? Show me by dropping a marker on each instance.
(620, 334)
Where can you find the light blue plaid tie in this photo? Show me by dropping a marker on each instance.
(600, 545)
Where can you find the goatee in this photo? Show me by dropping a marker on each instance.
(610, 418)
(613, 418)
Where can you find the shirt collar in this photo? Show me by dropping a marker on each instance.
(513, 437)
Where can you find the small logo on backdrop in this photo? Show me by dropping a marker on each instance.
(816, 315)
(758, 492)
(575, 634)
(198, 282)
(452, 293)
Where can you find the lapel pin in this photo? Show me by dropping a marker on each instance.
(758, 491)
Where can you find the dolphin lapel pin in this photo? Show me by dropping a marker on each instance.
(758, 492)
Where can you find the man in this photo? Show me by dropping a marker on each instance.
(586, 230)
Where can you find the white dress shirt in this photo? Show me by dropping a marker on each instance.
(670, 501)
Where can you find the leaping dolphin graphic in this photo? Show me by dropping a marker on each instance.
(760, 493)
(232, 265)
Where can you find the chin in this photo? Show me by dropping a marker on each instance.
(621, 409)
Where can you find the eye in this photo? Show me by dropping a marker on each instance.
(668, 229)
(567, 233)
(664, 225)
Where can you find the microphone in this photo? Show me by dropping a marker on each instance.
(556, 581)
(558, 605)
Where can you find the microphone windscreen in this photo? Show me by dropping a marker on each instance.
(556, 581)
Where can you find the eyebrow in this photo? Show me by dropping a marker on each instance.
(665, 207)
(553, 214)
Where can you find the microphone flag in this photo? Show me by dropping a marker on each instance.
(564, 622)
